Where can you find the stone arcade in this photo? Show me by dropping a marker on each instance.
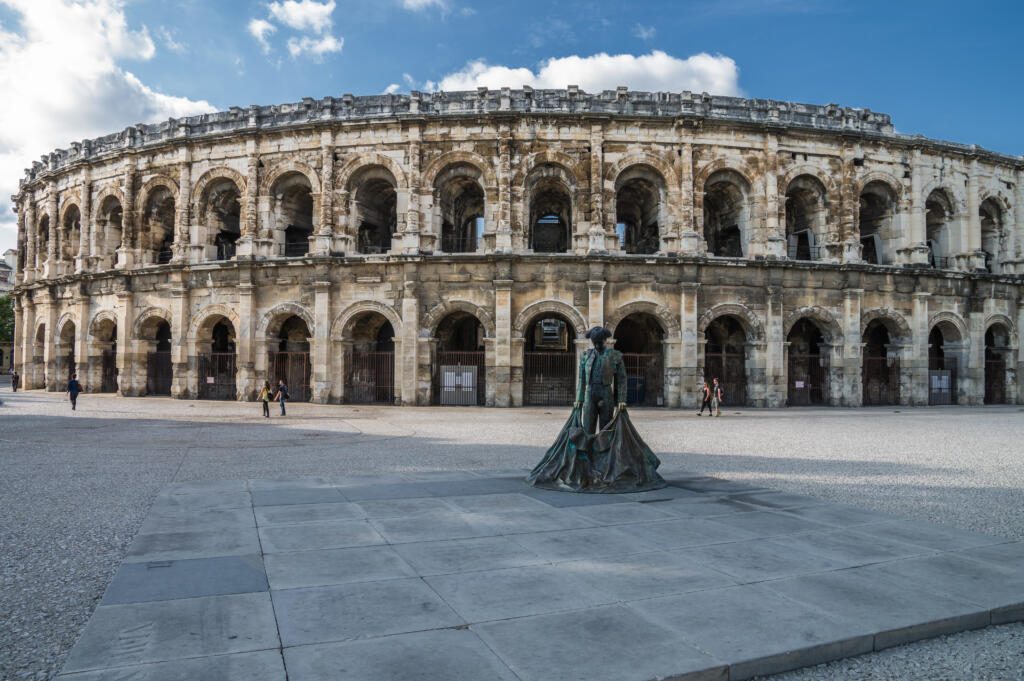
(452, 248)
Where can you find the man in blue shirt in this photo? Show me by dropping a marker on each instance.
(74, 388)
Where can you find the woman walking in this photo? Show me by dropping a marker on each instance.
(265, 398)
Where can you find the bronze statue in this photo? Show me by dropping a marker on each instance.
(598, 450)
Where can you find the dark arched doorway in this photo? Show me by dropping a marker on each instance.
(66, 354)
(880, 373)
(288, 358)
(807, 366)
(370, 369)
(549, 362)
(217, 364)
(105, 342)
(997, 342)
(639, 338)
(725, 358)
(943, 347)
(459, 375)
(159, 371)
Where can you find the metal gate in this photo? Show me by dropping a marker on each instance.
(108, 371)
(66, 368)
(942, 380)
(217, 376)
(644, 379)
(549, 378)
(371, 378)
(881, 381)
(158, 373)
(460, 379)
(808, 380)
(731, 370)
(294, 368)
(995, 381)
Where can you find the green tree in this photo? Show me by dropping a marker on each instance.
(6, 319)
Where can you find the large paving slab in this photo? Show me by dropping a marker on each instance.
(451, 576)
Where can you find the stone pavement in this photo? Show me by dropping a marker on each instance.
(470, 576)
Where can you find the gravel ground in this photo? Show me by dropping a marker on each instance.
(75, 487)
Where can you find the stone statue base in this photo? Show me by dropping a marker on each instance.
(614, 461)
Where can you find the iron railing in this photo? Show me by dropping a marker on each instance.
(294, 368)
(158, 373)
(217, 376)
(454, 387)
(371, 378)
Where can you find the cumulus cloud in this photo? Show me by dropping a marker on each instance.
(261, 29)
(303, 15)
(417, 5)
(62, 81)
(655, 71)
(310, 19)
(169, 41)
(392, 89)
(644, 32)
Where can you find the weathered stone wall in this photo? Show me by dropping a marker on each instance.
(344, 211)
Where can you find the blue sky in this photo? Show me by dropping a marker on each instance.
(949, 70)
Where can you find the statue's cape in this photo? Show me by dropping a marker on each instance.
(615, 460)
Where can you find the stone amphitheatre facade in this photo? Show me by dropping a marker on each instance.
(452, 248)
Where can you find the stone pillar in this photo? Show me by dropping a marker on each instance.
(50, 269)
(915, 248)
(82, 343)
(690, 242)
(974, 373)
(53, 381)
(1017, 229)
(503, 231)
(844, 241)
(690, 374)
(129, 238)
(914, 355)
(22, 237)
(595, 303)
(183, 218)
(18, 341)
(503, 343)
(852, 388)
(321, 342)
(775, 351)
(28, 207)
(321, 241)
(598, 238)
(87, 236)
(24, 335)
(1018, 367)
(253, 240)
(245, 344)
(179, 341)
(410, 238)
(774, 233)
(125, 311)
(410, 347)
(972, 257)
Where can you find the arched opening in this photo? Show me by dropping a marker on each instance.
(460, 198)
(549, 361)
(997, 355)
(288, 358)
(725, 358)
(370, 369)
(938, 218)
(293, 213)
(217, 360)
(807, 365)
(156, 333)
(71, 239)
(638, 195)
(157, 236)
(726, 214)
(105, 354)
(222, 218)
(43, 239)
(550, 215)
(109, 232)
(66, 353)
(880, 372)
(877, 207)
(805, 218)
(39, 358)
(992, 235)
(945, 346)
(639, 337)
(459, 376)
(375, 209)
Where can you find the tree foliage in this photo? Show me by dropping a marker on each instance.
(6, 319)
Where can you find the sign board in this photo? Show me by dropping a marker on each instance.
(799, 384)
(211, 380)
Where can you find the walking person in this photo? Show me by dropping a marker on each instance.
(74, 388)
(282, 394)
(705, 396)
(264, 397)
(716, 397)
(15, 381)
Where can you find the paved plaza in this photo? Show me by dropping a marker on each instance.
(366, 543)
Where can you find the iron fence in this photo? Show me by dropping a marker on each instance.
(217, 376)
(294, 368)
(644, 379)
(460, 378)
(158, 373)
(880, 377)
(371, 378)
(549, 378)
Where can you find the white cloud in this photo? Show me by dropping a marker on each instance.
(409, 80)
(315, 47)
(303, 15)
(61, 81)
(651, 72)
(644, 32)
(392, 89)
(418, 5)
(169, 41)
(260, 29)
